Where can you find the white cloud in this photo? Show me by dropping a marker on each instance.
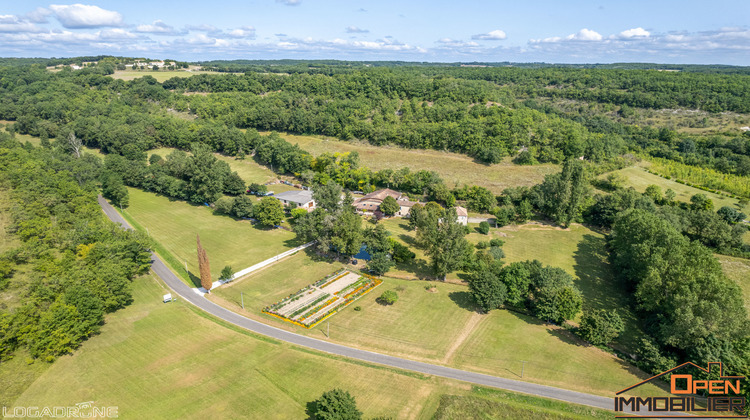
(12, 23)
(38, 15)
(635, 33)
(356, 30)
(457, 43)
(158, 27)
(585, 35)
(242, 32)
(582, 35)
(290, 2)
(77, 16)
(495, 35)
(202, 28)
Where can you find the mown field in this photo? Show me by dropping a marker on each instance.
(455, 169)
(578, 250)
(160, 75)
(439, 326)
(175, 224)
(638, 178)
(155, 360)
(738, 269)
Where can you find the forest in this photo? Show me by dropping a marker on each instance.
(493, 114)
(71, 265)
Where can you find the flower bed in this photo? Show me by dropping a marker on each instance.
(306, 315)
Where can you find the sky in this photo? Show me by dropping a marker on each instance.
(553, 31)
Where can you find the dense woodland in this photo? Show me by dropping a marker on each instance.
(489, 113)
(72, 265)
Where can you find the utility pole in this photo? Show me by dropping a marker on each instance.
(523, 365)
(242, 296)
(186, 270)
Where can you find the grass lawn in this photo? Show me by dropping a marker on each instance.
(408, 328)
(165, 361)
(160, 75)
(638, 178)
(454, 168)
(738, 269)
(155, 360)
(175, 224)
(439, 327)
(484, 403)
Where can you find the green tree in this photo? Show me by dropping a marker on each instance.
(563, 196)
(389, 297)
(504, 215)
(389, 206)
(554, 297)
(336, 404)
(328, 196)
(380, 263)
(223, 205)
(114, 190)
(444, 242)
(654, 191)
(701, 202)
(484, 227)
(600, 327)
(488, 291)
(226, 273)
(269, 211)
(242, 206)
(731, 215)
(524, 211)
(517, 278)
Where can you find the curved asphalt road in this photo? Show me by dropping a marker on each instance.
(189, 295)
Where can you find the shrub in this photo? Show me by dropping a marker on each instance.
(336, 404)
(600, 327)
(484, 228)
(226, 273)
(496, 242)
(389, 297)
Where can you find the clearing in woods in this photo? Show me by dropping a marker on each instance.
(454, 168)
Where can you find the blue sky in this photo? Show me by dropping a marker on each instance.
(563, 31)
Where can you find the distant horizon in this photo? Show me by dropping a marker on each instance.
(301, 59)
(549, 31)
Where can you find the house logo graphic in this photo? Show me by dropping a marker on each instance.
(723, 396)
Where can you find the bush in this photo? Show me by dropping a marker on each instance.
(223, 206)
(600, 327)
(484, 228)
(226, 273)
(389, 297)
(496, 242)
(482, 245)
(336, 404)
(357, 308)
(401, 253)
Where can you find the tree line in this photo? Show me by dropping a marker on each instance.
(72, 265)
